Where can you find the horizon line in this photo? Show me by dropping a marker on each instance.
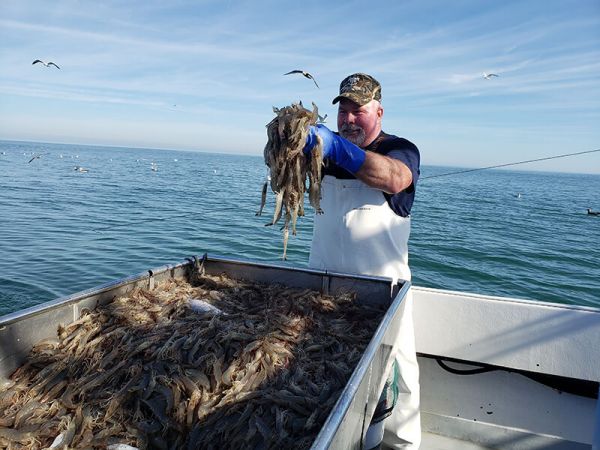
(466, 168)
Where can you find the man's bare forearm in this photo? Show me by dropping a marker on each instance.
(388, 174)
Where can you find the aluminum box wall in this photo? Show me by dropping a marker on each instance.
(347, 423)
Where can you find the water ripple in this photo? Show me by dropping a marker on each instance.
(64, 231)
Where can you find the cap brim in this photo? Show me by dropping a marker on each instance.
(352, 97)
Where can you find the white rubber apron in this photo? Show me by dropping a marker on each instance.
(358, 233)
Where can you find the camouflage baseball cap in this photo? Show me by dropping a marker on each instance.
(360, 88)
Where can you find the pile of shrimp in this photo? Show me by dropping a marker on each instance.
(290, 169)
(220, 363)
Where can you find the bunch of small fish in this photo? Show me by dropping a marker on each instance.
(290, 169)
(219, 364)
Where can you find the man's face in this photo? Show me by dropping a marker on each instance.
(359, 124)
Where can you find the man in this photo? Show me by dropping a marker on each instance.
(367, 192)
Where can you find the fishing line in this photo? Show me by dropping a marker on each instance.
(511, 164)
(153, 219)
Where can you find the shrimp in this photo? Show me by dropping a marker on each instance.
(289, 167)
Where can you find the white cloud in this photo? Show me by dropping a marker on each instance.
(222, 63)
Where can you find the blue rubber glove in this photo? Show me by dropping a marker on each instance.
(341, 151)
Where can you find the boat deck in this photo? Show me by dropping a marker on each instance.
(432, 441)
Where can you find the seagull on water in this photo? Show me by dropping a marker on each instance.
(47, 64)
(306, 74)
(488, 76)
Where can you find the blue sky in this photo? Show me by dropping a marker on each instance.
(204, 75)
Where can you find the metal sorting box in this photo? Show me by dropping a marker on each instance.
(349, 419)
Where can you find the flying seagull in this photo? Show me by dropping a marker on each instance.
(488, 76)
(36, 156)
(321, 118)
(306, 74)
(47, 64)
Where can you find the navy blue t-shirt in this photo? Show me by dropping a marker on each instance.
(397, 148)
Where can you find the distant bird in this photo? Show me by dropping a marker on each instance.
(488, 76)
(36, 156)
(321, 118)
(593, 213)
(47, 64)
(306, 74)
(518, 195)
(80, 169)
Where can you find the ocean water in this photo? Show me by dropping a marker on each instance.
(64, 230)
